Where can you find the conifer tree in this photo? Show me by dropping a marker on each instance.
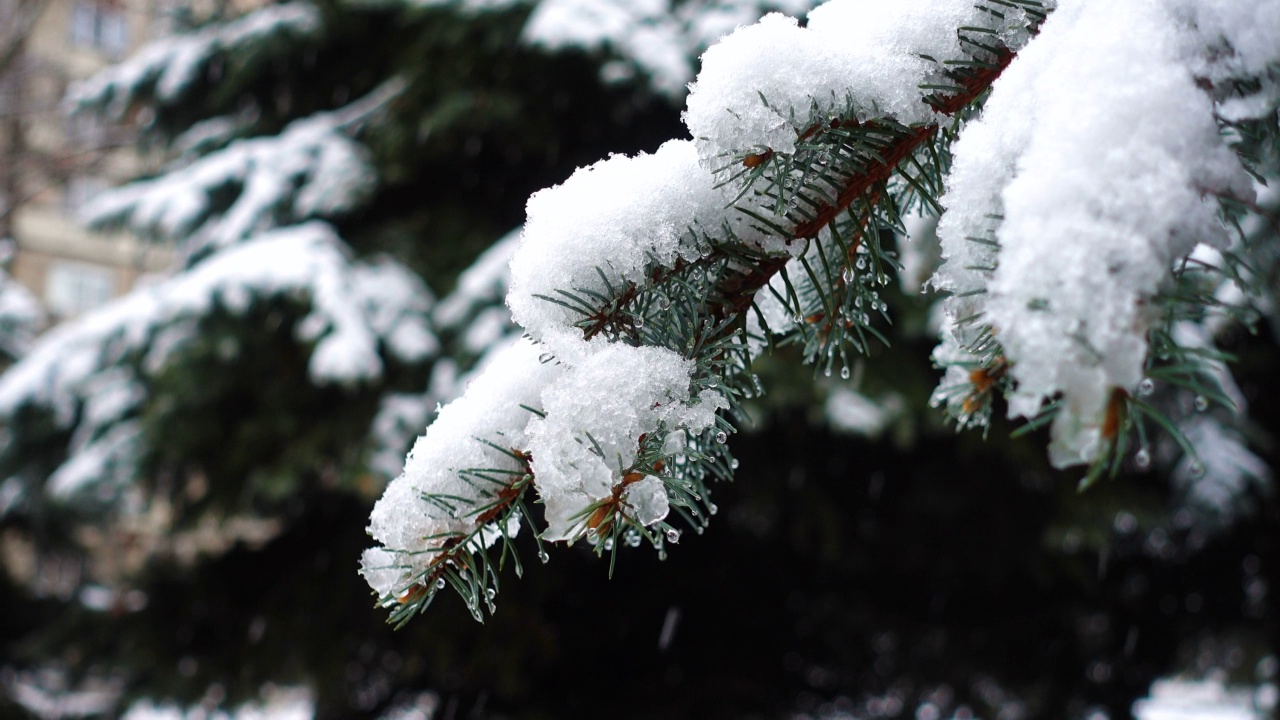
(1089, 262)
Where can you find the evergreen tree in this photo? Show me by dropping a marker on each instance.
(928, 572)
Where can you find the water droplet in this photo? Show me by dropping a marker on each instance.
(713, 382)
(1146, 387)
(798, 318)
(1202, 403)
(491, 593)
(713, 508)
(593, 536)
(862, 262)
(857, 302)
(632, 538)
(721, 436)
(865, 318)
(733, 464)
(844, 372)
(848, 275)
(664, 302)
(639, 322)
(608, 544)
(824, 158)
(1142, 459)
(440, 583)
(544, 557)
(827, 371)
(673, 536)
(1196, 469)
(662, 554)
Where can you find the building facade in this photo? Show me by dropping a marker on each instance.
(50, 164)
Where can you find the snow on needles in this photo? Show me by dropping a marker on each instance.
(311, 169)
(356, 309)
(1090, 167)
(169, 67)
(468, 434)
(763, 85)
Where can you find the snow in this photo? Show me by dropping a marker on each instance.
(20, 317)
(278, 703)
(170, 66)
(1090, 168)
(616, 220)
(1179, 699)
(595, 415)
(358, 310)
(658, 38)
(762, 86)
(492, 410)
(312, 169)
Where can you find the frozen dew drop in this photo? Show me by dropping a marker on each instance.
(608, 543)
(593, 536)
(1146, 387)
(713, 508)
(733, 464)
(698, 529)
(440, 583)
(664, 302)
(721, 436)
(1202, 403)
(632, 538)
(490, 593)
(827, 371)
(857, 302)
(1142, 459)
(712, 382)
(848, 275)
(844, 372)
(544, 557)
(862, 262)
(639, 322)
(865, 318)
(1196, 469)
(673, 536)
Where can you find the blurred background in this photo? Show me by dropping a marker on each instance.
(247, 249)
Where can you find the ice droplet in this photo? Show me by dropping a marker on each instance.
(440, 583)
(862, 262)
(664, 302)
(632, 538)
(713, 508)
(721, 436)
(827, 371)
(848, 275)
(1196, 469)
(608, 544)
(1142, 459)
(1146, 387)
(733, 464)
(544, 557)
(639, 322)
(844, 372)
(593, 536)
(491, 593)
(673, 536)
(1202, 403)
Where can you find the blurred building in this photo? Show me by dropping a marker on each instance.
(51, 164)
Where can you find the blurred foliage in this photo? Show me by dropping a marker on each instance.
(841, 575)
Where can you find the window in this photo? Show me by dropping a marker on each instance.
(71, 288)
(100, 24)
